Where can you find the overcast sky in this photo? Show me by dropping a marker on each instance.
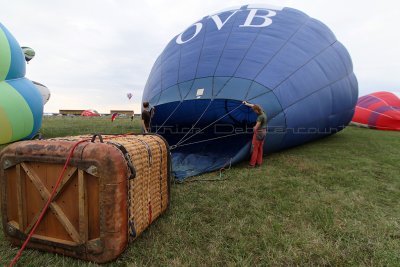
(90, 54)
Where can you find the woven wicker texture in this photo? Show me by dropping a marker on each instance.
(148, 192)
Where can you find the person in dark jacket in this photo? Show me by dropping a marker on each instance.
(146, 117)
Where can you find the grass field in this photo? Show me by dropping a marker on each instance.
(333, 202)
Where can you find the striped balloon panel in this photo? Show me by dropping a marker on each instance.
(380, 110)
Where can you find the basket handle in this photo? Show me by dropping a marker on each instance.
(94, 138)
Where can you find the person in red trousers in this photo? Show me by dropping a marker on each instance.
(260, 131)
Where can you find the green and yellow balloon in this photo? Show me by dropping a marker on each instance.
(21, 104)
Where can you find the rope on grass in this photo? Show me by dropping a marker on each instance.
(219, 179)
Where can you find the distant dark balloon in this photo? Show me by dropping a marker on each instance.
(129, 96)
(380, 110)
(287, 62)
(29, 53)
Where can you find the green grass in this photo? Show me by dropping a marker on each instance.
(62, 126)
(333, 202)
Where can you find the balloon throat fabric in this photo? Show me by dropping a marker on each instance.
(184, 139)
(197, 147)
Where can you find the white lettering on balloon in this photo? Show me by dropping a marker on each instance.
(253, 14)
(198, 29)
(220, 24)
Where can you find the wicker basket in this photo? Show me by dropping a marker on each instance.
(115, 187)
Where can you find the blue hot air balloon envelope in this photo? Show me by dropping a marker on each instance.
(287, 62)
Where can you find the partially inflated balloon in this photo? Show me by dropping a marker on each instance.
(21, 105)
(380, 110)
(287, 62)
(90, 113)
(114, 116)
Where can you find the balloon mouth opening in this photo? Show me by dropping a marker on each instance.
(204, 135)
(209, 156)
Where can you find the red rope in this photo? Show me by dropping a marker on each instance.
(52, 195)
(150, 212)
(47, 204)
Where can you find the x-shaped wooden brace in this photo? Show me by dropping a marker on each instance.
(78, 237)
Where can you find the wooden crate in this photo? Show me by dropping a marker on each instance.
(112, 190)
